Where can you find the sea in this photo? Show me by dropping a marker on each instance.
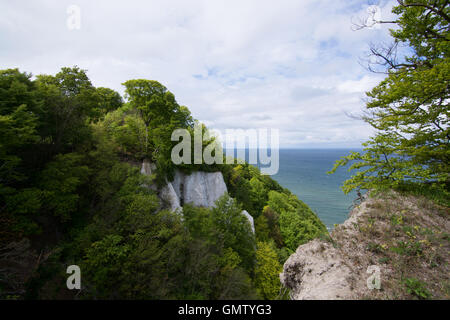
(304, 173)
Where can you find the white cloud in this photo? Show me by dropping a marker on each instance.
(358, 86)
(291, 65)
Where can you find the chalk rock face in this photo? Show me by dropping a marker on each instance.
(169, 195)
(250, 219)
(317, 271)
(178, 184)
(201, 189)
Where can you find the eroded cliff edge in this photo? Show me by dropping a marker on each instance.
(406, 238)
(199, 188)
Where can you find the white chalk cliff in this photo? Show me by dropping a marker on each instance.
(201, 189)
(169, 196)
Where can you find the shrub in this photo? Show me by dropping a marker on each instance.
(417, 288)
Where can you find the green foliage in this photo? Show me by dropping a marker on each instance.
(297, 231)
(374, 247)
(16, 88)
(262, 229)
(281, 202)
(157, 108)
(417, 288)
(69, 100)
(279, 216)
(408, 248)
(240, 187)
(128, 131)
(298, 224)
(223, 225)
(109, 100)
(17, 125)
(104, 260)
(267, 271)
(142, 128)
(130, 249)
(428, 190)
(151, 99)
(273, 225)
(409, 109)
(224, 242)
(25, 201)
(234, 230)
(249, 187)
(45, 137)
(258, 194)
(151, 254)
(59, 182)
(283, 254)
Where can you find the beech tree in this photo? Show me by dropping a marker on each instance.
(109, 100)
(152, 100)
(409, 108)
(18, 124)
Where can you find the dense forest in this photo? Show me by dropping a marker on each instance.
(72, 194)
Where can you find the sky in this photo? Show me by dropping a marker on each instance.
(291, 65)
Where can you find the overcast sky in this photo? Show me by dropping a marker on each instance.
(291, 65)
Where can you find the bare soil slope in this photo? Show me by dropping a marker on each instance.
(405, 238)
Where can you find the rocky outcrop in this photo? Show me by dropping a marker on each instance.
(170, 197)
(178, 184)
(386, 237)
(316, 271)
(321, 270)
(201, 189)
(250, 219)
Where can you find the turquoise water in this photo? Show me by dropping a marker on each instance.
(303, 172)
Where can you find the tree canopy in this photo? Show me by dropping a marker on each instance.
(410, 108)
